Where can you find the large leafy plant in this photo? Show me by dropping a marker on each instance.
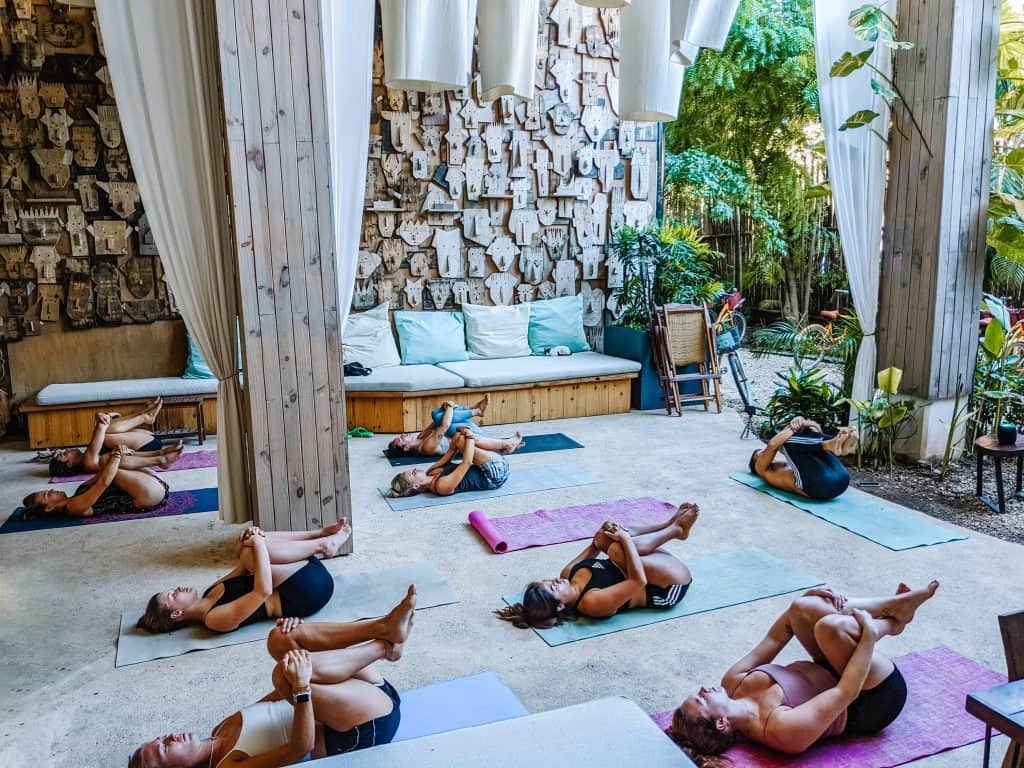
(805, 393)
(999, 371)
(883, 419)
(838, 343)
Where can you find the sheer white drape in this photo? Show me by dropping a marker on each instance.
(856, 168)
(428, 46)
(650, 81)
(164, 68)
(507, 53)
(347, 31)
(710, 22)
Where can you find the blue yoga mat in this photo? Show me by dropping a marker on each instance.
(178, 503)
(520, 480)
(454, 704)
(534, 444)
(865, 515)
(719, 581)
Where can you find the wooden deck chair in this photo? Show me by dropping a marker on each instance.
(1011, 627)
(683, 336)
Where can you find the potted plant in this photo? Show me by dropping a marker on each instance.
(663, 264)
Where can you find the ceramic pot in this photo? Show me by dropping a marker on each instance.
(1006, 434)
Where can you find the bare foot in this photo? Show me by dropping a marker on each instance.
(685, 519)
(481, 407)
(512, 444)
(170, 457)
(152, 409)
(333, 542)
(903, 607)
(398, 622)
(394, 652)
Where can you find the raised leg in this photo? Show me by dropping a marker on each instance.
(144, 418)
(284, 549)
(837, 637)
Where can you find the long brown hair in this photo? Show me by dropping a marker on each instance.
(701, 739)
(538, 609)
(157, 618)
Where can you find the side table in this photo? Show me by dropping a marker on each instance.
(987, 445)
(1002, 708)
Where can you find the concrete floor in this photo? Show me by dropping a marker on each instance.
(61, 592)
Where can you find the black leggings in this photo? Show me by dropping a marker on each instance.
(819, 474)
(380, 730)
(875, 709)
(306, 591)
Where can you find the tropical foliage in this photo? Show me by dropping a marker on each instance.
(883, 420)
(805, 393)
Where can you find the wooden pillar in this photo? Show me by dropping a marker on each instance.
(933, 258)
(273, 82)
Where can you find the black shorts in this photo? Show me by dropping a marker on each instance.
(306, 591)
(665, 597)
(876, 708)
(380, 730)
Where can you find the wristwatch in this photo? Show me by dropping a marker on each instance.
(300, 696)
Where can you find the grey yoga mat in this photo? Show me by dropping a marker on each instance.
(865, 515)
(719, 581)
(545, 477)
(363, 595)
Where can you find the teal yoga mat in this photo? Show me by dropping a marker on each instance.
(520, 480)
(719, 581)
(861, 513)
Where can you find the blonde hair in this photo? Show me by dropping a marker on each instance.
(401, 485)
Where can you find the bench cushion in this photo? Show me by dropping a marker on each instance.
(123, 389)
(526, 370)
(404, 378)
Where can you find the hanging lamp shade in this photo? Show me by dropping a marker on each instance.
(650, 82)
(428, 46)
(507, 51)
(682, 52)
(709, 22)
(604, 3)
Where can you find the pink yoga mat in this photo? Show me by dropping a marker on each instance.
(189, 460)
(554, 526)
(933, 721)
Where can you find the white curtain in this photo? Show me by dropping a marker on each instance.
(428, 44)
(710, 22)
(683, 51)
(507, 53)
(603, 3)
(856, 168)
(650, 81)
(347, 30)
(164, 68)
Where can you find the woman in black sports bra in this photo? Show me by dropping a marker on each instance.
(278, 574)
(636, 573)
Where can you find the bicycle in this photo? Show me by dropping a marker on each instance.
(730, 329)
(812, 343)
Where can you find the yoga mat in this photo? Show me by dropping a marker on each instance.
(178, 503)
(933, 721)
(861, 513)
(453, 704)
(554, 526)
(188, 460)
(520, 480)
(608, 733)
(534, 444)
(363, 595)
(719, 581)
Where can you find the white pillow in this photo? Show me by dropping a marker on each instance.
(497, 331)
(368, 339)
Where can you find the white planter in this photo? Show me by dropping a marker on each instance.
(507, 50)
(650, 82)
(428, 44)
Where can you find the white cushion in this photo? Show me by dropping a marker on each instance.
(123, 389)
(368, 339)
(526, 370)
(404, 378)
(497, 331)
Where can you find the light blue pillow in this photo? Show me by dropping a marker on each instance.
(431, 337)
(196, 367)
(557, 323)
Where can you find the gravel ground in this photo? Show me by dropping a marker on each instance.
(916, 486)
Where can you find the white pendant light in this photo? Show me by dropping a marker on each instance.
(683, 51)
(428, 46)
(604, 3)
(507, 50)
(650, 82)
(710, 21)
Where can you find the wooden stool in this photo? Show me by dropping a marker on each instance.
(987, 445)
(1002, 708)
(184, 403)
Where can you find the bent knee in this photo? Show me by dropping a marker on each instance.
(835, 626)
(281, 684)
(279, 643)
(811, 607)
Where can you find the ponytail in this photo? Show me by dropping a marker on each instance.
(539, 609)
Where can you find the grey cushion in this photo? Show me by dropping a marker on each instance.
(403, 378)
(526, 370)
(123, 389)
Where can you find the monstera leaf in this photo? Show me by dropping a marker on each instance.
(870, 22)
(848, 63)
(995, 337)
(889, 380)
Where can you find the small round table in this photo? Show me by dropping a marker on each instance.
(987, 445)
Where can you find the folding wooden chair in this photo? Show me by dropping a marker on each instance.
(1011, 627)
(683, 335)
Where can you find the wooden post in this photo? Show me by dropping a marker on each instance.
(933, 258)
(277, 140)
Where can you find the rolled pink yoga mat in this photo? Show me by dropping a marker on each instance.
(554, 526)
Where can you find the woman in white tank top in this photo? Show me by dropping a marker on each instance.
(327, 699)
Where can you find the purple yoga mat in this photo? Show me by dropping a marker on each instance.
(933, 721)
(554, 526)
(189, 460)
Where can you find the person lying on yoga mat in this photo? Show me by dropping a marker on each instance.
(278, 574)
(479, 470)
(847, 688)
(113, 430)
(813, 469)
(636, 573)
(434, 440)
(113, 491)
(327, 699)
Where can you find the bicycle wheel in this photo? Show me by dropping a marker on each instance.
(740, 377)
(809, 346)
(740, 323)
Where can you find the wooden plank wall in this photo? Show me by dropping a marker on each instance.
(934, 246)
(273, 85)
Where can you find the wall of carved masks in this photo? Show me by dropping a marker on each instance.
(75, 249)
(508, 201)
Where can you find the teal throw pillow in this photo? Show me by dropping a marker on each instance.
(196, 368)
(557, 323)
(431, 337)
